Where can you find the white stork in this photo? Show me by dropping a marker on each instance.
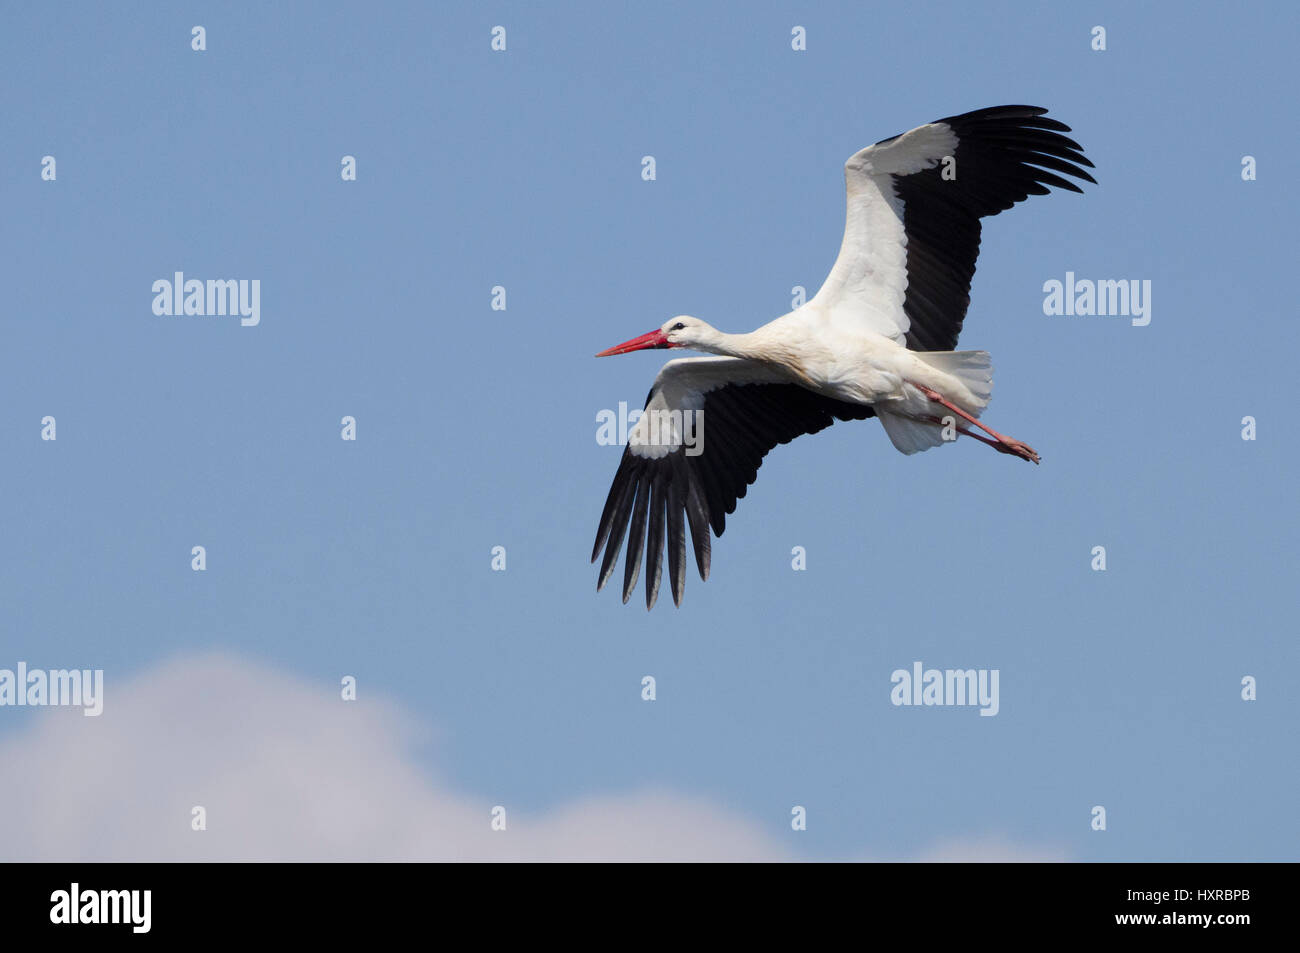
(876, 340)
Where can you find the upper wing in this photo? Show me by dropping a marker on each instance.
(747, 408)
(912, 233)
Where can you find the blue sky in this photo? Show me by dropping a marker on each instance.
(476, 428)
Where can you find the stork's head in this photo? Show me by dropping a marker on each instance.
(681, 331)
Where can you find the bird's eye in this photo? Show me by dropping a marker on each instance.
(677, 327)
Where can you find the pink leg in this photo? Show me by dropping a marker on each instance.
(938, 422)
(1000, 448)
(1000, 442)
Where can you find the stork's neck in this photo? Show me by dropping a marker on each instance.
(751, 345)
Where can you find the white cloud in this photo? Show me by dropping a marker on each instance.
(287, 771)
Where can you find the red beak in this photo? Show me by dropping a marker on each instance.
(653, 339)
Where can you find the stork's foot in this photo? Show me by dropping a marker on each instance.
(1014, 447)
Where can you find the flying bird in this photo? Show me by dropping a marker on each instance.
(875, 341)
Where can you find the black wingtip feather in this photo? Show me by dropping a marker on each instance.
(654, 547)
(676, 532)
(636, 536)
(625, 481)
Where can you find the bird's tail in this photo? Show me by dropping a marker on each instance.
(973, 370)
(909, 431)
